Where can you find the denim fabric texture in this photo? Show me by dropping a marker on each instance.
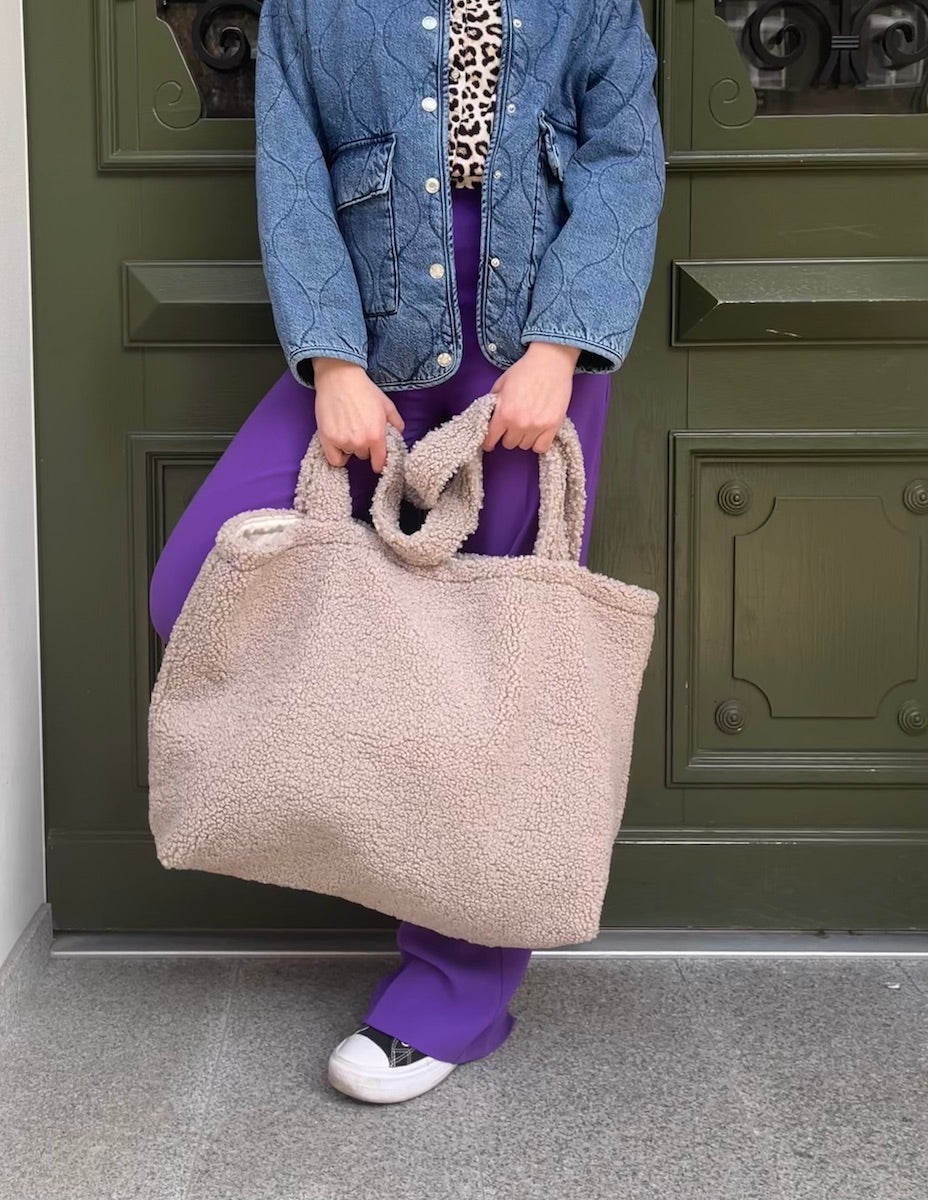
(351, 120)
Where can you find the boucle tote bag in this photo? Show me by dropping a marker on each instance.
(372, 714)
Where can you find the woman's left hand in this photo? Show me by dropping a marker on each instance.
(533, 397)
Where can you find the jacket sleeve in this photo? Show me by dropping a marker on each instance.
(310, 278)
(592, 278)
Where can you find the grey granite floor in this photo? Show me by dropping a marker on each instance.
(625, 1079)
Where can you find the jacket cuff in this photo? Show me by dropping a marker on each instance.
(301, 366)
(595, 357)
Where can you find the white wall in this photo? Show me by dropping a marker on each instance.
(22, 861)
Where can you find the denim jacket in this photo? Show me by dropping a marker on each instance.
(353, 195)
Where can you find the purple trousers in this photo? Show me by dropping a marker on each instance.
(448, 997)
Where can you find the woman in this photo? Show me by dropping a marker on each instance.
(453, 199)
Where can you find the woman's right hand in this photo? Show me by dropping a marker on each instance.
(352, 413)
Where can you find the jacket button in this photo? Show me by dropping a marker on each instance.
(432, 185)
(436, 270)
(494, 262)
(517, 23)
(429, 103)
(491, 346)
(444, 358)
(429, 22)
(510, 107)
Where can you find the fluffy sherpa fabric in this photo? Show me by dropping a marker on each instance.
(372, 714)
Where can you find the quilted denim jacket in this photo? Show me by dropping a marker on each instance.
(353, 195)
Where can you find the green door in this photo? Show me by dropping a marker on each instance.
(766, 469)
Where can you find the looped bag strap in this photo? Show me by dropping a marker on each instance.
(443, 475)
(323, 493)
(452, 513)
(445, 451)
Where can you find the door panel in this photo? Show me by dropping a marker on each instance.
(800, 567)
(174, 83)
(771, 488)
(800, 300)
(798, 694)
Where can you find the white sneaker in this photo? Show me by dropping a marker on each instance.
(374, 1066)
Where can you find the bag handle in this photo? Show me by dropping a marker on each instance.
(450, 517)
(443, 474)
(323, 492)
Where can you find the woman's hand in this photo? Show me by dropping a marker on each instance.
(533, 396)
(352, 413)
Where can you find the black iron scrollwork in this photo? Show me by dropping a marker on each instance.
(790, 43)
(233, 39)
(835, 44)
(893, 39)
(218, 40)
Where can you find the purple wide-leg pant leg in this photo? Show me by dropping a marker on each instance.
(448, 997)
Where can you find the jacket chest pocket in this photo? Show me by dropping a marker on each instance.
(556, 145)
(362, 186)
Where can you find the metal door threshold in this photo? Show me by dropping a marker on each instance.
(617, 943)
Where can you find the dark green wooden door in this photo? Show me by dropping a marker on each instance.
(766, 469)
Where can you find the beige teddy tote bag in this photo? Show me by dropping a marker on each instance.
(373, 714)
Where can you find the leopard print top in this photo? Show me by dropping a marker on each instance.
(473, 67)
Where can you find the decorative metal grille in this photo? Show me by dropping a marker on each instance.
(833, 56)
(217, 39)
